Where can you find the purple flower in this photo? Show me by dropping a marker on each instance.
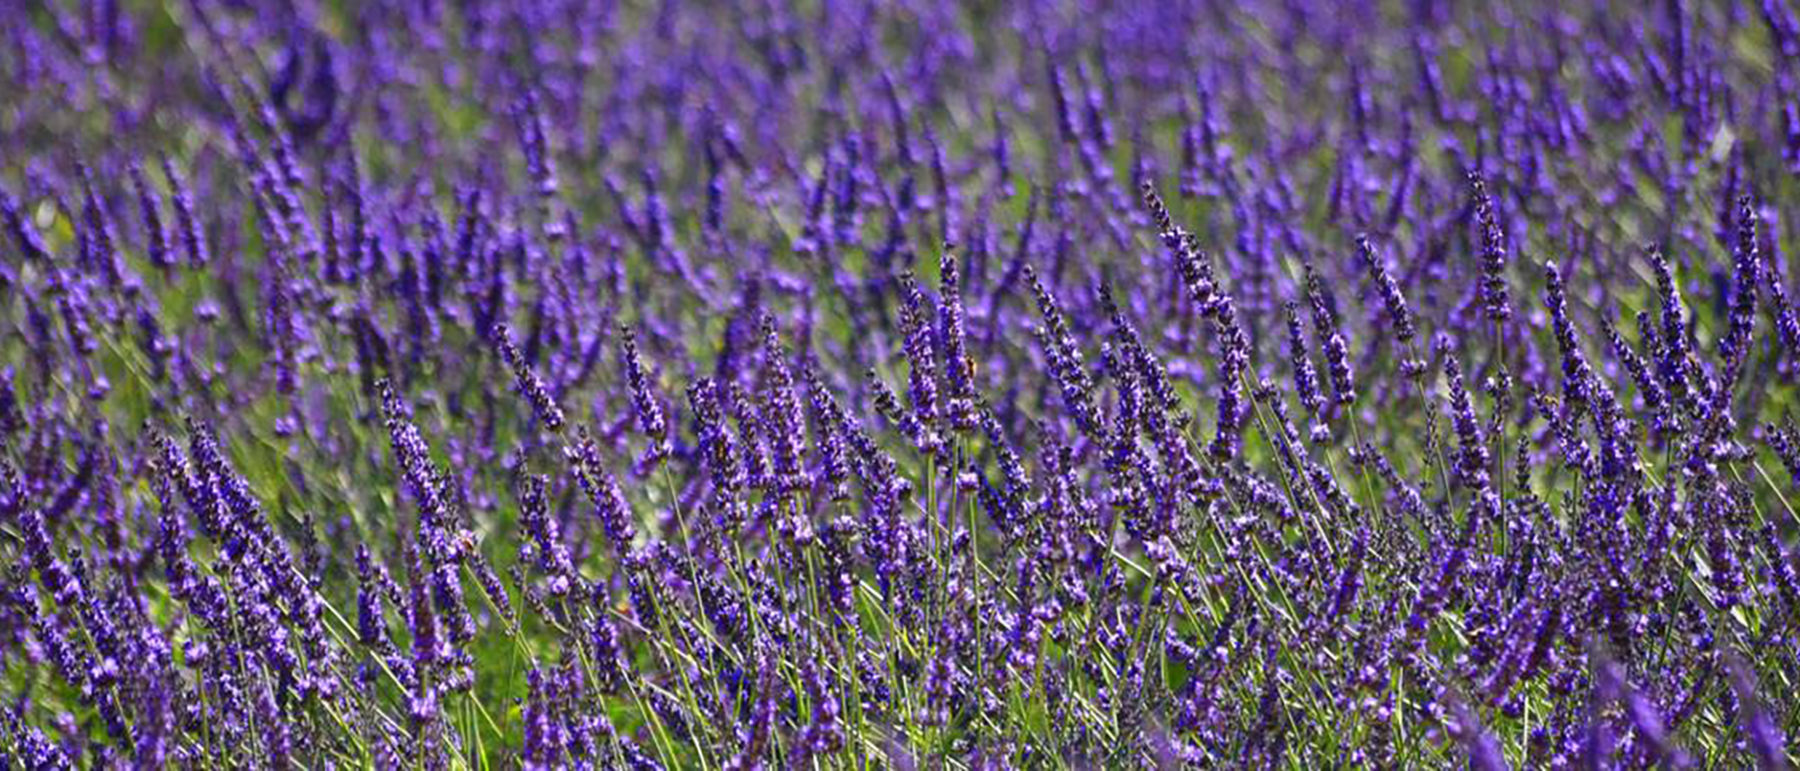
(1495, 301)
(644, 402)
(24, 234)
(1483, 749)
(1063, 357)
(156, 235)
(1391, 298)
(921, 377)
(602, 489)
(527, 381)
(1325, 327)
(959, 368)
(782, 411)
(1234, 361)
(1760, 730)
(187, 218)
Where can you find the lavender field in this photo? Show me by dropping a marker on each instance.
(901, 385)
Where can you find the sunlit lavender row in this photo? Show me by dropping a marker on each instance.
(914, 385)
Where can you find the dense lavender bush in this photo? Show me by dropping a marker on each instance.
(916, 385)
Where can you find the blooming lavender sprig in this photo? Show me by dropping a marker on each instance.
(526, 380)
(603, 491)
(24, 234)
(419, 472)
(1495, 299)
(1483, 750)
(98, 245)
(952, 344)
(1154, 374)
(156, 234)
(1747, 262)
(1760, 730)
(828, 431)
(1063, 357)
(187, 217)
(1331, 337)
(718, 451)
(1195, 270)
(1643, 715)
(1473, 460)
(1674, 361)
(1785, 441)
(1306, 376)
(1392, 299)
(783, 410)
(1234, 361)
(1783, 313)
(551, 554)
(1577, 375)
(644, 402)
(921, 376)
(1648, 386)
(528, 121)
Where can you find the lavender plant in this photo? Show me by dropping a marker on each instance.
(551, 384)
